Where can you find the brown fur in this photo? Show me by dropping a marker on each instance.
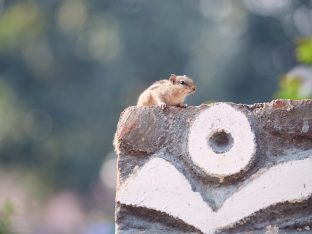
(167, 92)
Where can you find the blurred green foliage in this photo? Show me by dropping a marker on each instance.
(288, 89)
(6, 213)
(304, 50)
(20, 22)
(289, 86)
(11, 120)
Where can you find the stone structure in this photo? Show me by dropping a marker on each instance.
(219, 168)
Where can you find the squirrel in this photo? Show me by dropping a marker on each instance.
(171, 92)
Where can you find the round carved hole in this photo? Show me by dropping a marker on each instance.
(220, 142)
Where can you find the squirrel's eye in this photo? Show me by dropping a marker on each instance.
(182, 82)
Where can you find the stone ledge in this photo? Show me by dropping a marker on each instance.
(215, 168)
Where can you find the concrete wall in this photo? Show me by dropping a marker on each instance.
(220, 168)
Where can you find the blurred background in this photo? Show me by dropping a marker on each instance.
(69, 67)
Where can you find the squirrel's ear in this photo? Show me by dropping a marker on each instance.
(172, 78)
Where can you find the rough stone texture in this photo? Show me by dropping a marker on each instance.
(161, 189)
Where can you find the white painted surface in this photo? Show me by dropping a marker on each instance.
(221, 117)
(159, 186)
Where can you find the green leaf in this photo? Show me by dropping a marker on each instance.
(5, 217)
(289, 88)
(304, 50)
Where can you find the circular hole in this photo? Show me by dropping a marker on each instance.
(220, 142)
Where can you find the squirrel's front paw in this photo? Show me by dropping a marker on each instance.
(162, 105)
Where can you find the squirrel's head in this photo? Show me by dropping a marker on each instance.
(183, 84)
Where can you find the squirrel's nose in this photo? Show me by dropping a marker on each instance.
(194, 88)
